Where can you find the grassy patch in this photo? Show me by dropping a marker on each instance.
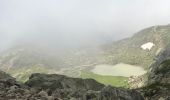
(23, 74)
(117, 81)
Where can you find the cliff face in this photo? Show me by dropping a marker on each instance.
(158, 85)
(58, 87)
(160, 70)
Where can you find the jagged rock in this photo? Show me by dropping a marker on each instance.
(115, 93)
(158, 85)
(54, 81)
(5, 78)
(160, 73)
(43, 94)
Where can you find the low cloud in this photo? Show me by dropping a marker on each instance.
(77, 22)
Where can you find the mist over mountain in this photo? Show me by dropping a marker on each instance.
(84, 49)
(74, 23)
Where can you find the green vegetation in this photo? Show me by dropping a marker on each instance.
(116, 81)
(23, 74)
(164, 67)
(133, 56)
(128, 50)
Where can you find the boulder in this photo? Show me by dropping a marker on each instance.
(54, 81)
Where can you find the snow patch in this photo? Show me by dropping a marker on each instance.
(147, 46)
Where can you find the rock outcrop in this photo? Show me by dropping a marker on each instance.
(10, 89)
(158, 85)
(54, 81)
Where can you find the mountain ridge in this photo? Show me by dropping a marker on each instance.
(123, 51)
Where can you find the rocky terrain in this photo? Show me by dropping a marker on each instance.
(58, 87)
(158, 84)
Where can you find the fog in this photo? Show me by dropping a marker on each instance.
(73, 23)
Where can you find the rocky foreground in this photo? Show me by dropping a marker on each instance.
(58, 87)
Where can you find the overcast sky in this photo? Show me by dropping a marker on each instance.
(77, 22)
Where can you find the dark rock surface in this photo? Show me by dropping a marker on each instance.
(54, 81)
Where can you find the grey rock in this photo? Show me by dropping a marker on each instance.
(158, 84)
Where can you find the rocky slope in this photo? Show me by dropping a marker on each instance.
(129, 50)
(158, 84)
(58, 87)
(21, 61)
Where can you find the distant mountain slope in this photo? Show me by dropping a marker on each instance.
(129, 50)
(23, 56)
(28, 56)
(21, 61)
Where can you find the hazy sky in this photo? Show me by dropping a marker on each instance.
(77, 22)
